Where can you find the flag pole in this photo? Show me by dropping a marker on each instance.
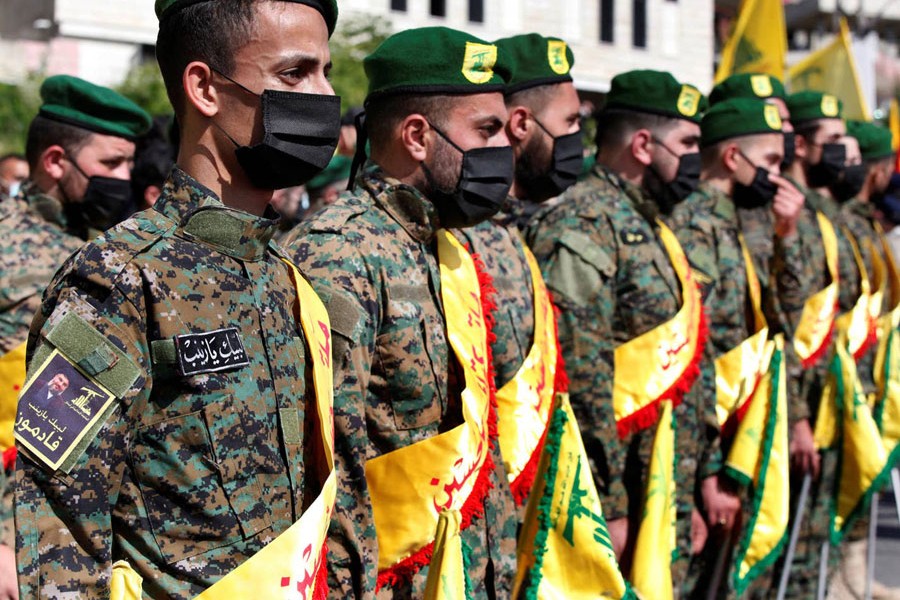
(895, 480)
(823, 571)
(799, 514)
(870, 549)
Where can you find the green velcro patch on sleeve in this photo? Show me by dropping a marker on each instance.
(162, 352)
(582, 245)
(86, 347)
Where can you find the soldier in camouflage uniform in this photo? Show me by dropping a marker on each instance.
(742, 147)
(13, 173)
(192, 462)
(613, 281)
(433, 99)
(37, 225)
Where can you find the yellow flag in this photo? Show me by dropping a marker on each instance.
(564, 547)
(763, 435)
(894, 122)
(758, 43)
(125, 583)
(651, 573)
(446, 580)
(12, 378)
(865, 463)
(832, 69)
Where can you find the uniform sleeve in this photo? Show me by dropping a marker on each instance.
(340, 277)
(580, 276)
(64, 540)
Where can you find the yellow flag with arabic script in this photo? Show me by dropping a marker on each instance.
(832, 69)
(12, 378)
(564, 547)
(446, 580)
(651, 573)
(758, 43)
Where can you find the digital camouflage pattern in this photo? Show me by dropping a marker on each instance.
(612, 281)
(499, 244)
(36, 244)
(372, 257)
(189, 475)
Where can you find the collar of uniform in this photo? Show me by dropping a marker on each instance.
(201, 216)
(640, 201)
(862, 208)
(49, 208)
(507, 213)
(720, 203)
(415, 213)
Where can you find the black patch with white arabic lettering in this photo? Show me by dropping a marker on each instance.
(210, 352)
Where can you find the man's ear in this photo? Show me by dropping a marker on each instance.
(519, 126)
(801, 148)
(199, 89)
(642, 146)
(414, 134)
(730, 157)
(51, 162)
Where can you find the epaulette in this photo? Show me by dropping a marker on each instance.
(335, 217)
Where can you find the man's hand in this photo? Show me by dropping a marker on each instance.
(721, 505)
(618, 534)
(699, 532)
(9, 587)
(786, 206)
(804, 456)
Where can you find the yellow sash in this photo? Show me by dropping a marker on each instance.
(564, 550)
(651, 573)
(293, 564)
(446, 580)
(410, 487)
(660, 364)
(12, 378)
(856, 323)
(739, 370)
(524, 403)
(814, 330)
(760, 449)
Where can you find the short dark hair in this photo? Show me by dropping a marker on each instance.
(383, 113)
(154, 156)
(615, 126)
(535, 98)
(44, 132)
(211, 32)
(11, 156)
(807, 129)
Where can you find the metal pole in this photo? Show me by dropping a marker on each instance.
(895, 480)
(870, 549)
(823, 571)
(799, 514)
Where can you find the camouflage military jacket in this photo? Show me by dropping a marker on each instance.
(612, 281)
(35, 245)
(198, 464)
(499, 244)
(858, 216)
(373, 258)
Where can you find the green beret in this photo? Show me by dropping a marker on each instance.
(874, 141)
(748, 85)
(738, 117)
(328, 9)
(337, 170)
(80, 103)
(809, 106)
(432, 60)
(530, 60)
(655, 92)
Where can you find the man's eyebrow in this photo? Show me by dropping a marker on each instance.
(298, 59)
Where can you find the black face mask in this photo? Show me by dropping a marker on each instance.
(850, 183)
(301, 132)
(790, 149)
(564, 169)
(483, 185)
(686, 180)
(829, 168)
(760, 191)
(106, 202)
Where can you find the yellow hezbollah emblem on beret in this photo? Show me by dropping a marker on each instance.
(773, 119)
(556, 56)
(688, 101)
(829, 105)
(761, 85)
(478, 64)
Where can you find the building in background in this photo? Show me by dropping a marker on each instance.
(100, 40)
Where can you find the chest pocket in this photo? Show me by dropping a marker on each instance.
(197, 481)
(406, 362)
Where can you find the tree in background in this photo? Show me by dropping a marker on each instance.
(356, 37)
(18, 106)
(144, 86)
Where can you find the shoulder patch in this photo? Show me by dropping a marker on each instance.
(582, 245)
(333, 219)
(60, 411)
